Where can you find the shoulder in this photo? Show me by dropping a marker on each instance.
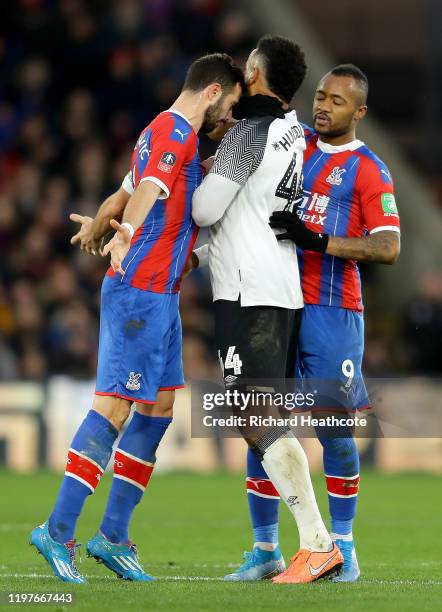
(372, 165)
(309, 132)
(174, 127)
(161, 126)
(242, 149)
(251, 126)
(234, 132)
(173, 134)
(311, 137)
(247, 133)
(162, 120)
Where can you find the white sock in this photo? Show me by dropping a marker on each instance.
(286, 464)
(265, 546)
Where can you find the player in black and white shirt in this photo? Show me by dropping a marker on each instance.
(256, 290)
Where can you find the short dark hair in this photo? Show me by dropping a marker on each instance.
(284, 65)
(213, 68)
(350, 70)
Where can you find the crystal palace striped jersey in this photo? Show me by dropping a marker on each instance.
(166, 154)
(348, 191)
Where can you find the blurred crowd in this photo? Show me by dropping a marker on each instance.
(80, 79)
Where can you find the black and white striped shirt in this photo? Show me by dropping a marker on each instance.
(257, 170)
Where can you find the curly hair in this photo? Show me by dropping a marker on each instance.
(284, 65)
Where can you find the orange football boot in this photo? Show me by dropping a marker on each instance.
(307, 566)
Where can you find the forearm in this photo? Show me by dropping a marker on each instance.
(112, 208)
(212, 198)
(381, 247)
(135, 212)
(141, 203)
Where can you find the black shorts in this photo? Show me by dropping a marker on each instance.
(255, 343)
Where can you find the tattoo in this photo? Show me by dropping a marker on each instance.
(381, 247)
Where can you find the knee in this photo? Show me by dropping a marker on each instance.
(114, 409)
(155, 410)
(342, 453)
(343, 447)
(165, 411)
(120, 414)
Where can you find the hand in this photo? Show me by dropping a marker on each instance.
(85, 234)
(106, 238)
(192, 263)
(208, 163)
(118, 247)
(296, 230)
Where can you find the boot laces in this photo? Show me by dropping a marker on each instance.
(72, 548)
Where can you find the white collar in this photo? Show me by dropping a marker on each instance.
(349, 146)
(291, 113)
(175, 112)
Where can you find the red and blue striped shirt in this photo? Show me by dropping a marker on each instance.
(348, 192)
(166, 154)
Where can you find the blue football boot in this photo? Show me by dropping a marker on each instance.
(350, 571)
(119, 558)
(259, 565)
(61, 557)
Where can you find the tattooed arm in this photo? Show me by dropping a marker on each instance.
(380, 247)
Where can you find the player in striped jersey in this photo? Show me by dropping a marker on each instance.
(348, 214)
(139, 359)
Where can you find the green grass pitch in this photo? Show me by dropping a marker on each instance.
(191, 530)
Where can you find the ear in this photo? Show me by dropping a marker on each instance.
(360, 113)
(213, 92)
(252, 76)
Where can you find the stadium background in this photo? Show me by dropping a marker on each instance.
(79, 80)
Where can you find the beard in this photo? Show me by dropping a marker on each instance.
(330, 131)
(211, 118)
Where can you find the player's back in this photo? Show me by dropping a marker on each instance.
(245, 257)
(348, 191)
(166, 154)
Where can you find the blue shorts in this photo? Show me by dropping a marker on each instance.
(330, 349)
(140, 349)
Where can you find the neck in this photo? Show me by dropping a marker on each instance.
(260, 89)
(338, 140)
(190, 104)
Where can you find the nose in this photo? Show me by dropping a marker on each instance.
(323, 106)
